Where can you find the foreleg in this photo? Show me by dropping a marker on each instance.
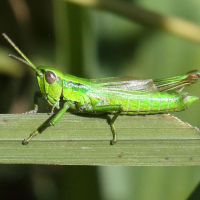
(50, 122)
(36, 96)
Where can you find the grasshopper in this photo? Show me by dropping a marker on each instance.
(123, 95)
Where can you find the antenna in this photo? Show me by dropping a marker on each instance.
(25, 60)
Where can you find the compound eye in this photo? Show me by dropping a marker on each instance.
(50, 77)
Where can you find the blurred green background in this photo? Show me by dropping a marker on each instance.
(93, 44)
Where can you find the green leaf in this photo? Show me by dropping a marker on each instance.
(153, 140)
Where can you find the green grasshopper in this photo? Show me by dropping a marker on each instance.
(124, 95)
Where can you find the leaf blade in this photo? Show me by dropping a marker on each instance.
(156, 140)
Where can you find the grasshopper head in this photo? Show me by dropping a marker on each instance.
(49, 79)
(50, 82)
